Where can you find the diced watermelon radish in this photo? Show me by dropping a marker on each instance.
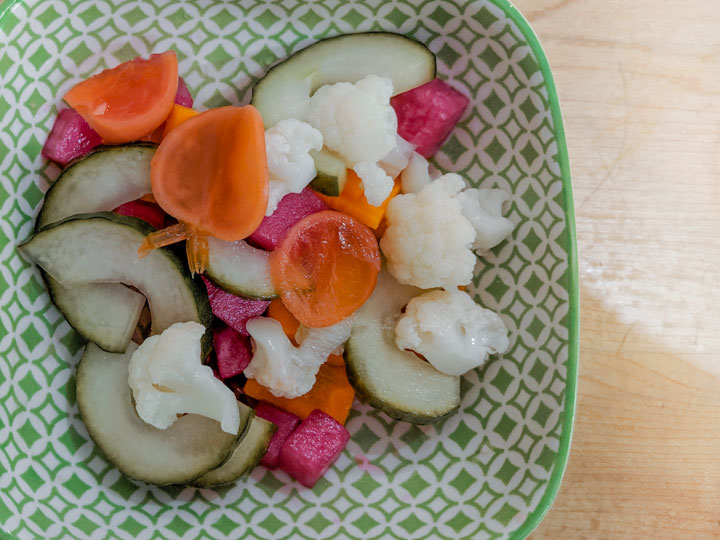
(151, 213)
(232, 350)
(310, 450)
(291, 209)
(71, 137)
(183, 96)
(427, 114)
(235, 311)
(286, 423)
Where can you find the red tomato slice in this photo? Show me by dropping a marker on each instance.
(325, 267)
(129, 101)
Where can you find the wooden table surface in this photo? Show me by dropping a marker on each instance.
(639, 86)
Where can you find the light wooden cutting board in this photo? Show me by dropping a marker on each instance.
(639, 86)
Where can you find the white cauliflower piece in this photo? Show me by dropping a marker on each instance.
(289, 371)
(451, 331)
(358, 123)
(427, 240)
(290, 165)
(483, 208)
(416, 175)
(398, 158)
(167, 379)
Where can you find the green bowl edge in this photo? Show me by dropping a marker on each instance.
(534, 519)
(537, 515)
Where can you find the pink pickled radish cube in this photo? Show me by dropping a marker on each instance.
(291, 209)
(151, 213)
(232, 350)
(183, 97)
(310, 450)
(71, 137)
(427, 114)
(235, 311)
(286, 423)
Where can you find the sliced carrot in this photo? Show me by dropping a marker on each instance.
(277, 310)
(352, 201)
(332, 394)
(210, 173)
(148, 198)
(325, 267)
(336, 360)
(129, 101)
(177, 116)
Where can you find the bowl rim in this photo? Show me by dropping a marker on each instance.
(571, 382)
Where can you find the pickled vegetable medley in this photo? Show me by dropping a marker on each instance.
(324, 259)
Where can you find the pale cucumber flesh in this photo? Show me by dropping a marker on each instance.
(240, 269)
(395, 381)
(103, 180)
(105, 313)
(331, 173)
(188, 449)
(244, 458)
(102, 248)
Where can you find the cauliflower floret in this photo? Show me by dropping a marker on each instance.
(416, 175)
(289, 371)
(451, 331)
(483, 208)
(290, 165)
(427, 240)
(397, 160)
(167, 378)
(358, 123)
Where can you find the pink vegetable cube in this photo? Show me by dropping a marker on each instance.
(232, 350)
(291, 209)
(286, 423)
(146, 211)
(236, 311)
(427, 114)
(310, 450)
(71, 137)
(183, 96)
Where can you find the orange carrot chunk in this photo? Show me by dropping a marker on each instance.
(332, 394)
(277, 310)
(352, 201)
(129, 101)
(177, 116)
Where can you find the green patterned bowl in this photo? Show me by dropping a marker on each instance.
(490, 471)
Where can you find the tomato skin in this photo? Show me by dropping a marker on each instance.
(129, 101)
(325, 267)
(211, 172)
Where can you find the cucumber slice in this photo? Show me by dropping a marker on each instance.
(395, 381)
(240, 269)
(101, 181)
(106, 313)
(285, 90)
(102, 248)
(331, 173)
(245, 457)
(188, 449)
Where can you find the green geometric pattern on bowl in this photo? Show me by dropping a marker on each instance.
(490, 471)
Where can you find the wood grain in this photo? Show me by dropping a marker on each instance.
(639, 86)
